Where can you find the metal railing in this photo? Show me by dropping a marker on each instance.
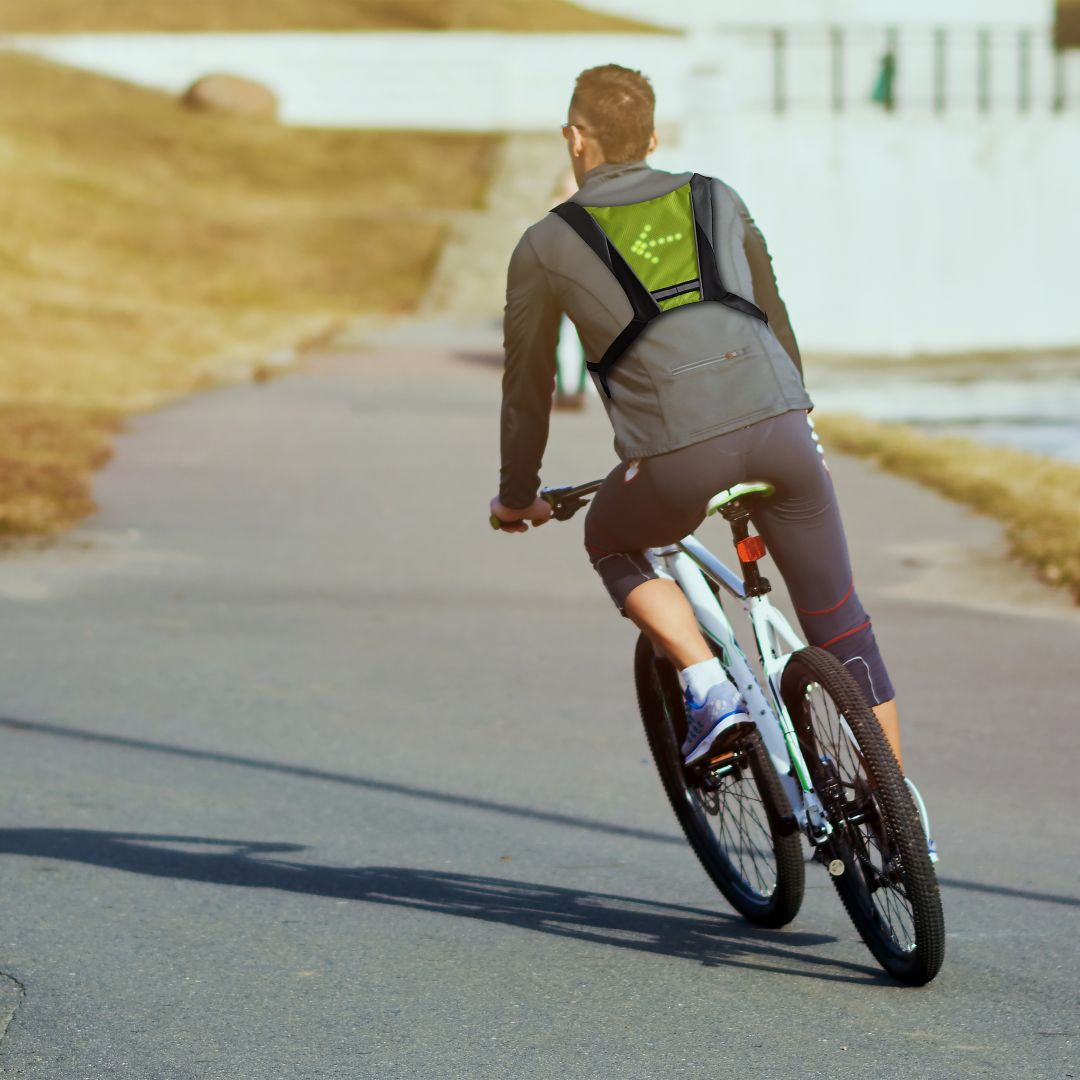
(941, 69)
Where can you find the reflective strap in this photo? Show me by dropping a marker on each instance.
(627, 336)
(739, 303)
(601, 374)
(712, 287)
(585, 225)
(641, 300)
(675, 290)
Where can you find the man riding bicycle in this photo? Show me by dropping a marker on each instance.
(700, 401)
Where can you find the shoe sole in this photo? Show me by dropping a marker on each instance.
(722, 736)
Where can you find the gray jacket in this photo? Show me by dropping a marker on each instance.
(696, 372)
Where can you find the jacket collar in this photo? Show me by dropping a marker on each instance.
(609, 169)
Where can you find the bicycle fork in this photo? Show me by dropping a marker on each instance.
(772, 718)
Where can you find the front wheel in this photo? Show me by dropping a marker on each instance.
(887, 882)
(735, 814)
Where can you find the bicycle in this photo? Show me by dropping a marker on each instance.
(817, 765)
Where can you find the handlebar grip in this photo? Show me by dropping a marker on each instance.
(561, 506)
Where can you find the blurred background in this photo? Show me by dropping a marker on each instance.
(307, 772)
(195, 191)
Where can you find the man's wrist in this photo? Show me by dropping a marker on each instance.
(513, 504)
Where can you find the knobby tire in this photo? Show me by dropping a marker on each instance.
(888, 885)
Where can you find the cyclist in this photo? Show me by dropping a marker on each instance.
(756, 424)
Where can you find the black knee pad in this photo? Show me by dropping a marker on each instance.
(622, 571)
(858, 651)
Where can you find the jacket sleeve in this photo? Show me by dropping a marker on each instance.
(766, 291)
(530, 334)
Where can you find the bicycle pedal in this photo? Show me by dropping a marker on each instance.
(707, 773)
(718, 762)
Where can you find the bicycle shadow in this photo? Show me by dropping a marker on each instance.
(706, 937)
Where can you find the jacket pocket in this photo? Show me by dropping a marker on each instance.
(693, 365)
(701, 395)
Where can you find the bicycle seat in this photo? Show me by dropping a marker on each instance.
(740, 491)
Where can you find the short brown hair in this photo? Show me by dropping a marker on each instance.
(617, 104)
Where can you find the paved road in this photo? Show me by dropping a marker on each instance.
(306, 773)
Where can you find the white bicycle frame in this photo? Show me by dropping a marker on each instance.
(692, 565)
(688, 563)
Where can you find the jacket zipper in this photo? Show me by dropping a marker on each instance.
(731, 355)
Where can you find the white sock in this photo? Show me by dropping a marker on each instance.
(700, 678)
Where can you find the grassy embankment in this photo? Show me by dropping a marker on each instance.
(59, 16)
(142, 244)
(146, 250)
(1037, 498)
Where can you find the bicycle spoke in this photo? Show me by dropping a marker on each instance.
(730, 812)
(741, 826)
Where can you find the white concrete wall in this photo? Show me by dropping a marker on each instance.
(460, 81)
(906, 231)
(927, 236)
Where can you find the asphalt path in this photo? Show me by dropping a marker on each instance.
(307, 773)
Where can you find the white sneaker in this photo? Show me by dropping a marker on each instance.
(715, 723)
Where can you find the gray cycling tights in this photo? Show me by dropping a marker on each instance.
(665, 498)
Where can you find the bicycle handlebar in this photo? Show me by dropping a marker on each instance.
(565, 502)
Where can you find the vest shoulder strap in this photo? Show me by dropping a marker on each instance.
(712, 287)
(585, 225)
(641, 300)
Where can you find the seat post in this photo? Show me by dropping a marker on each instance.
(738, 517)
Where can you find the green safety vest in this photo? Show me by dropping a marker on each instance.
(661, 253)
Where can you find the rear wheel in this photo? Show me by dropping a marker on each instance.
(887, 883)
(733, 810)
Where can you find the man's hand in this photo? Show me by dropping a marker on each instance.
(514, 520)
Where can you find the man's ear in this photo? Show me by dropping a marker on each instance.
(577, 143)
(652, 143)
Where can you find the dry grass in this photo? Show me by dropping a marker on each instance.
(141, 241)
(950, 364)
(47, 456)
(148, 251)
(56, 16)
(1037, 498)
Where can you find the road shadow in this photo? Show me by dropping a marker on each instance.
(391, 787)
(369, 783)
(709, 938)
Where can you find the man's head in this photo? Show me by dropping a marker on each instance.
(610, 118)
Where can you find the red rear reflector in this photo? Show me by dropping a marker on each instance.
(751, 548)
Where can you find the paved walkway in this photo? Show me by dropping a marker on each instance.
(307, 773)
